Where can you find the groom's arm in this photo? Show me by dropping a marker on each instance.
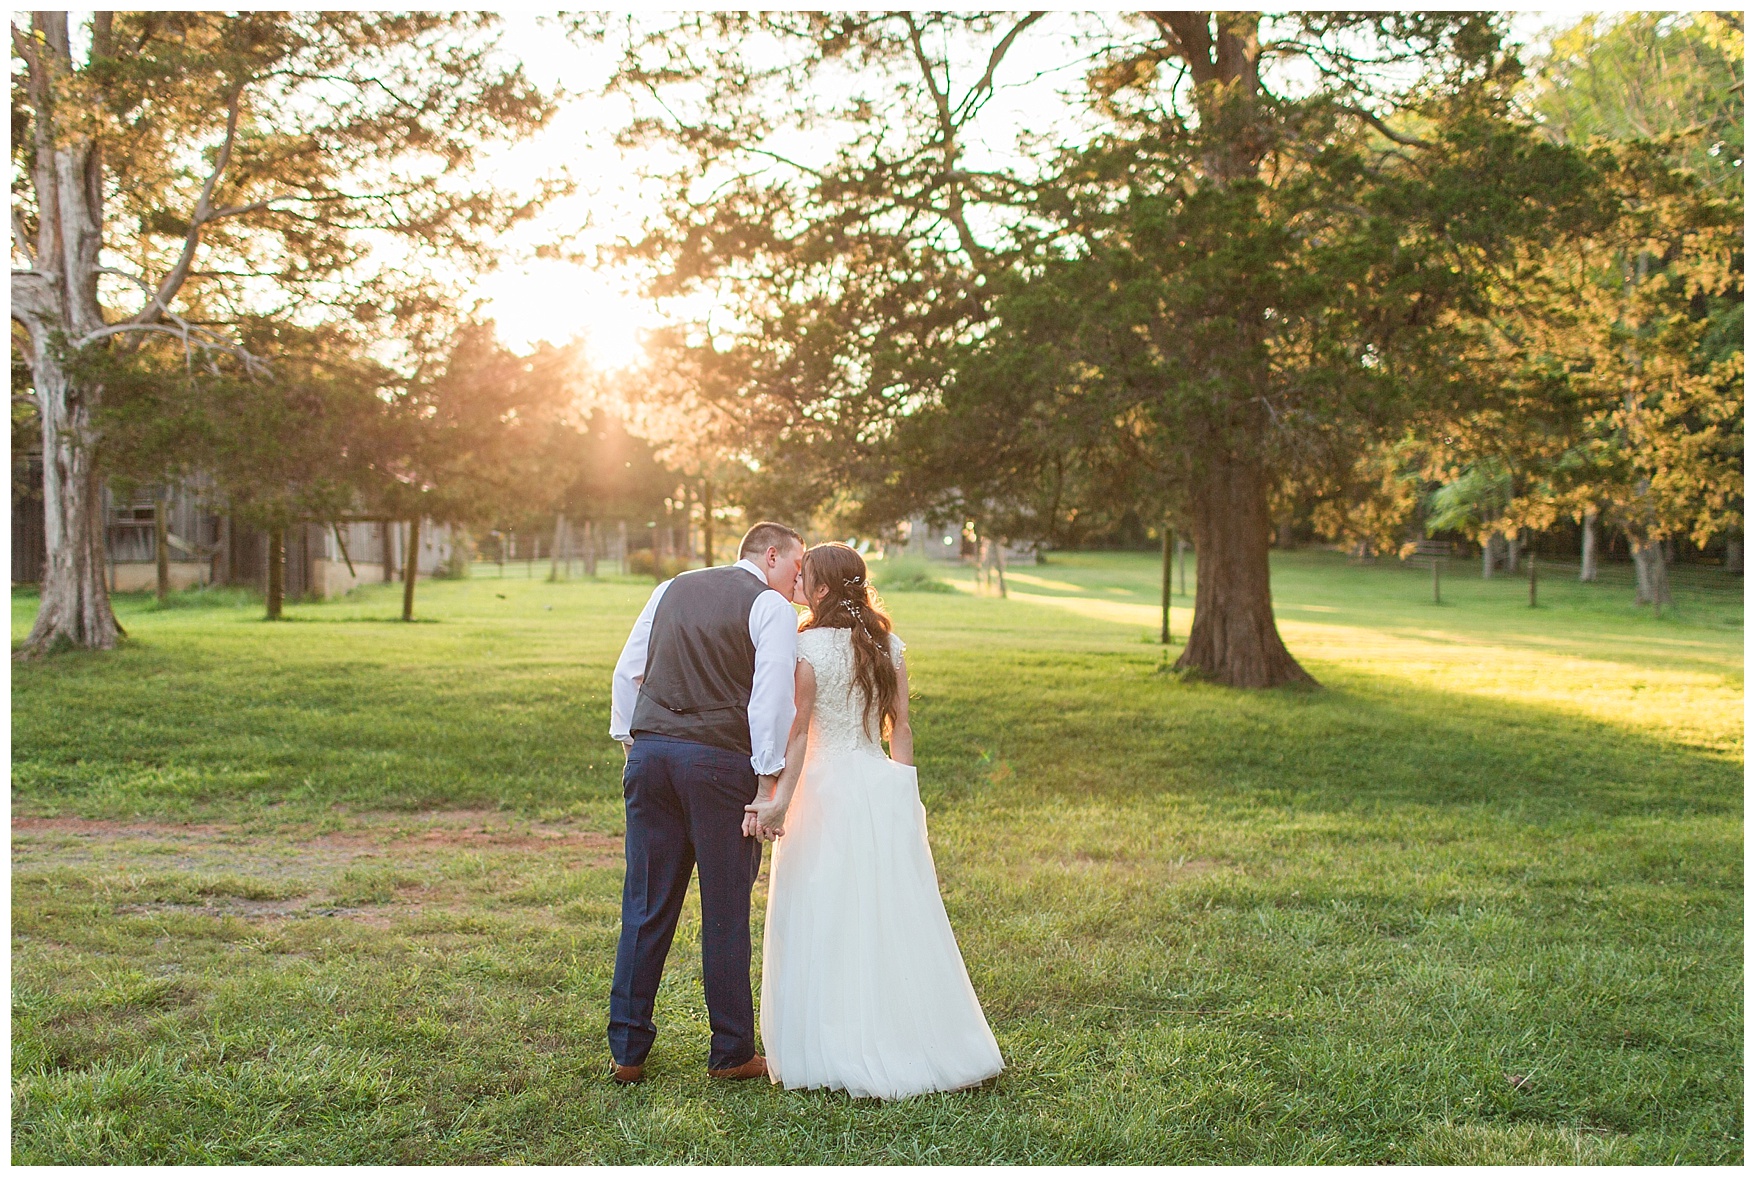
(774, 630)
(630, 671)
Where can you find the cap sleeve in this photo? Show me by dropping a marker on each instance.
(897, 645)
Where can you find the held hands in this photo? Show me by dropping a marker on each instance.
(765, 817)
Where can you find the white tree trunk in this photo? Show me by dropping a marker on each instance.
(1587, 561)
(75, 607)
(56, 303)
(1651, 577)
(1490, 546)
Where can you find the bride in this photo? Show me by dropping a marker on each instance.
(863, 988)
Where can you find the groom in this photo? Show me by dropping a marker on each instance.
(702, 704)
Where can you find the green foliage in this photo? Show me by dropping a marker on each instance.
(645, 562)
(906, 575)
(1672, 77)
(1480, 900)
(1472, 501)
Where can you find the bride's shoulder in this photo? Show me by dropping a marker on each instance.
(897, 645)
(819, 639)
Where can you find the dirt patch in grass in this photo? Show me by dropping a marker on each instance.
(484, 829)
(111, 830)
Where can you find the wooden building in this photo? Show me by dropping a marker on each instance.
(321, 560)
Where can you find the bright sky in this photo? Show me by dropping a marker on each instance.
(534, 299)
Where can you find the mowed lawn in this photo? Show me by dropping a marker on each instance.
(344, 890)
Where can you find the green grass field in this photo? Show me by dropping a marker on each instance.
(343, 890)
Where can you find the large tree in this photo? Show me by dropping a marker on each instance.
(178, 170)
(1244, 256)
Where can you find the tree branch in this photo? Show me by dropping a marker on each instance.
(985, 85)
(34, 298)
(173, 281)
(23, 237)
(1189, 34)
(191, 337)
(948, 134)
(1392, 136)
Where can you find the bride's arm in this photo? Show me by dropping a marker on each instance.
(767, 816)
(901, 735)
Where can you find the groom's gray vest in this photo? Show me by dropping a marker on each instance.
(700, 661)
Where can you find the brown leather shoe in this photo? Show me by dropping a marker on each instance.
(626, 1074)
(754, 1069)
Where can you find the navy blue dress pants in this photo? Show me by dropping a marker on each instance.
(685, 810)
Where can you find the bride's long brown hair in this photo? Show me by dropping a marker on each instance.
(852, 605)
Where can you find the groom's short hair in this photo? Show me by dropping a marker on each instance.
(765, 535)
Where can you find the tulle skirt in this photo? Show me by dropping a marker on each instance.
(863, 988)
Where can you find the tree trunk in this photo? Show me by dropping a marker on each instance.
(1181, 567)
(1492, 554)
(1233, 639)
(1587, 558)
(554, 547)
(276, 572)
(590, 549)
(707, 519)
(621, 546)
(1651, 578)
(1734, 553)
(161, 547)
(74, 609)
(56, 301)
(388, 537)
(410, 568)
(999, 565)
(1164, 597)
(1512, 543)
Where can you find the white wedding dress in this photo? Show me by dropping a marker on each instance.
(863, 988)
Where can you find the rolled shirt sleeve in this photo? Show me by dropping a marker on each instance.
(774, 630)
(630, 669)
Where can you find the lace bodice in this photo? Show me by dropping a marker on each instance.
(835, 720)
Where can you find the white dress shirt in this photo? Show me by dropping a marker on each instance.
(773, 629)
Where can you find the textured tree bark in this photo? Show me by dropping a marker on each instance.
(276, 572)
(56, 301)
(75, 605)
(410, 568)
(1234, 640)
(1587, 556)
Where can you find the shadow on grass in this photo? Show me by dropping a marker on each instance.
(1118, 728)
(165, 724)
